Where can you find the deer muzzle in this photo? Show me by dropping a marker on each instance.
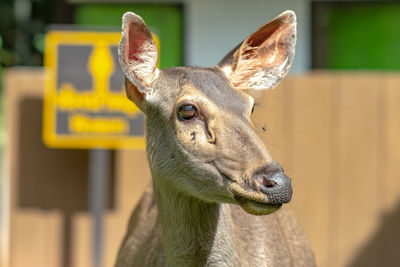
(269, 189)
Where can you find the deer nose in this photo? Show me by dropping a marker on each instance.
(276, 186)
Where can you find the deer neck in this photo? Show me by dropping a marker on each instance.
(195, 233)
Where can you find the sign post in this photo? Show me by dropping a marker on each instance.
(85, 107)
(99, 167)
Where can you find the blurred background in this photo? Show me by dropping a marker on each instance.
(334, 125)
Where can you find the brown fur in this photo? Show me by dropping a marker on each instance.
(271, 240)
(200, 209)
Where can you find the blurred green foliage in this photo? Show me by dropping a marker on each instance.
(22, 27)
(166, 21)
(23, 24)
(7, 31)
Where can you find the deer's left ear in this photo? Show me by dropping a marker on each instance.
(264, 58)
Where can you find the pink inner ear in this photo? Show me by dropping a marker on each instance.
(270, 43)
(257, 38)
(136, 38)
(272, 36)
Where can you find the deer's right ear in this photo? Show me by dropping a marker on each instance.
(138, 58)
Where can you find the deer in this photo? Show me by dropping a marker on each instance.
(216, 195)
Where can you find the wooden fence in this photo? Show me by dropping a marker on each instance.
(336, 134)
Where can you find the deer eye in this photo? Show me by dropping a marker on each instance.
(252, 109)
(187, 111)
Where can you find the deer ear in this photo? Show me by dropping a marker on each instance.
(138, 57)
(264, 58)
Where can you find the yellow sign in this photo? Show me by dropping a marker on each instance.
(85, 103)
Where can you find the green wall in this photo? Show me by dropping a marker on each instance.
(363, 36)
(166, 21)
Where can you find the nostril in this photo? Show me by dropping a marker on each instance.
(276, 186)
(267, 182)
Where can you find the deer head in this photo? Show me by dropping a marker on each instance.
(200, 138)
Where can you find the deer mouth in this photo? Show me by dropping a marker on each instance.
(257, 208)
(253, 202)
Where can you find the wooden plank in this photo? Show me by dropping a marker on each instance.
(36, 239)
(354, 188)
(273, 121)
(381, 248)
(334, 191)
(35, 236)
(133, 176)
(82, 253)
(312, 138)
(391, 142)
